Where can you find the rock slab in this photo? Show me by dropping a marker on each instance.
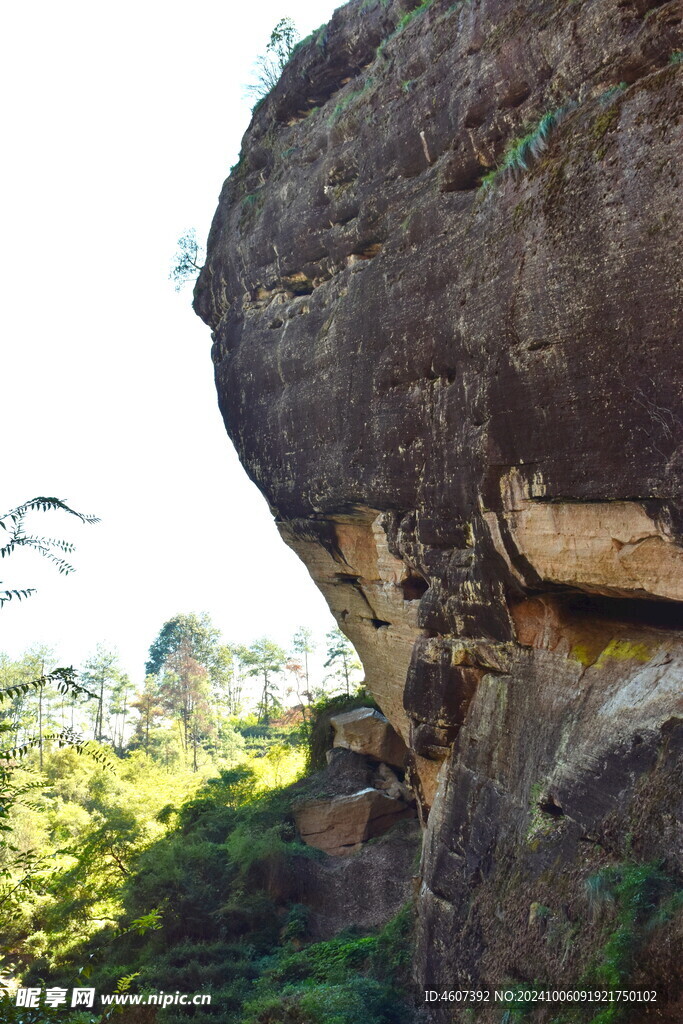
(341, 825)
(366, 731)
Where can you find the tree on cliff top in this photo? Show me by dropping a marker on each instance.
(269, 67)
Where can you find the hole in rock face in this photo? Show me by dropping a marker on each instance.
(476, 115)
(370, 251)
(548, 806)
(302, 288)
(344, 577)
(516, 93)
(414, 587)
(380, 623)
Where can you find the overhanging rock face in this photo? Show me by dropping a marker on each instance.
(463, 403)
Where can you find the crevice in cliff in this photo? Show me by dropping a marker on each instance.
(414, 587)
(368, 253)
(547, 805)
(655, 614)
(349, 578)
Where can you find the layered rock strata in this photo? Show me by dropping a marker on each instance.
(360, 799)
(444, 288)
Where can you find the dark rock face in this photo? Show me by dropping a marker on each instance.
(366, 889)
(463, 404)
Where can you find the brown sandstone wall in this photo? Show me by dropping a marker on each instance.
(464, 406)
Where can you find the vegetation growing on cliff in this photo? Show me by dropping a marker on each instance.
(188, 260)
(269, 66)
(520, 153)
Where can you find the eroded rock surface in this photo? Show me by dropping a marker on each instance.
(463, 403)
(365, 890)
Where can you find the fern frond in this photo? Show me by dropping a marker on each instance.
(63, 678)
(8, 595)
(54, 543)
(44, 504)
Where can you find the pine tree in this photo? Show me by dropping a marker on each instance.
(148, 706)
(341, 655)
(101, 674)
(265, 660)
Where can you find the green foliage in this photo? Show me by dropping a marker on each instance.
(188, 260)
(103, 674)
(393, 953)
(154, 893)
(343, 980)
(522, 152)
(319, 36)
(132, 870)
(676, 57)
(411, 15)
(269, 67)
(62, 679)
(297, 922)
(342, 659)
(349, 100)
(266, 660)
(644, 897)
(404, 22)
(13, 525)
(90, 824)
(194, 633)
(187, 658)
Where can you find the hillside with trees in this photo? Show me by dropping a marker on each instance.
(147, 839)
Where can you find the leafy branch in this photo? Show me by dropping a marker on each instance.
(269, 66)
(188, 260)
(64, 679)
(12, 523)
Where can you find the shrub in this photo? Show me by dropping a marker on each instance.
(643, 898)
(521, 152)
(411, 15)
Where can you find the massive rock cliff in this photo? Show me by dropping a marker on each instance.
(444, 285)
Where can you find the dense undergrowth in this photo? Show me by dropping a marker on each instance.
(159, 880)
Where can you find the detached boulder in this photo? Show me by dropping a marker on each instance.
(367, 731)
(339, 826)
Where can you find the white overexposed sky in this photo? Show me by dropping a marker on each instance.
(121, 122)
